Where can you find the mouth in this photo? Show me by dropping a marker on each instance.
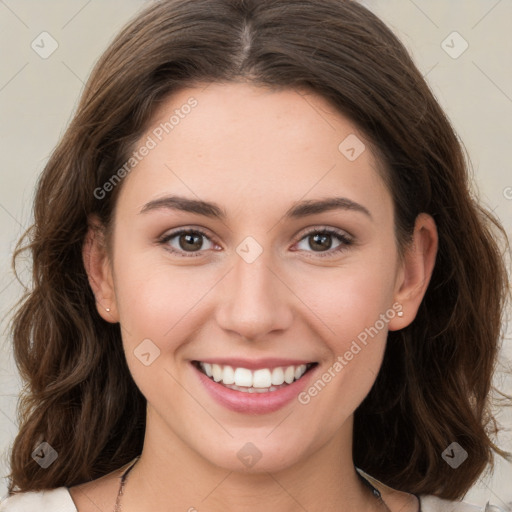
(256, 380)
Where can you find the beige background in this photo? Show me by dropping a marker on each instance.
(38, 97)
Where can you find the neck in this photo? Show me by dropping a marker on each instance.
(174, 477)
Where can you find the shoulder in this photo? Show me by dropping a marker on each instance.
(91, 496)
(430, 503)
(52, 500)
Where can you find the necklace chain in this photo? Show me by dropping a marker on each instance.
(117, 507)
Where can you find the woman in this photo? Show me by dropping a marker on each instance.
(261, 282)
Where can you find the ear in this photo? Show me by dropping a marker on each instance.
(416, 270)
(99, 270)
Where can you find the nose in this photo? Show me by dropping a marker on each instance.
(254, 300)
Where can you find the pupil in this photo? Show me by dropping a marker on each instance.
(189, 239)
(320, 241)
(323, 238)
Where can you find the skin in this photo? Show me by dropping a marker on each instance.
(253, 151)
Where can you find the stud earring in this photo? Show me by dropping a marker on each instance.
(400, 313)
(108, 310)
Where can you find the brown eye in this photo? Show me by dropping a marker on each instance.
(321, 242)
(189, 242)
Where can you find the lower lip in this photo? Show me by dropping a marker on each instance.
(253, 403)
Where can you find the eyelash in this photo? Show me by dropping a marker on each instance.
(342, 237)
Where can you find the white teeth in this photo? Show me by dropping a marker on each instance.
(254, 390)
(217, 372)
(289, 374)
(262, 379)
(207, 369)
(277, 376)
(257, 380)
(299, 371)
(243, 377)
(228, 376)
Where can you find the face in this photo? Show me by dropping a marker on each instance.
(258, 282)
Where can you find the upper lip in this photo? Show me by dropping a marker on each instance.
(254, 364)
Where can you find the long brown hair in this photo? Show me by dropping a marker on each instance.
(435, 384)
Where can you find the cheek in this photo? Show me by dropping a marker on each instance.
(151, 297)
(157, 313)
(156, 297)
(354, 314)
(352, 297)
(353, 306)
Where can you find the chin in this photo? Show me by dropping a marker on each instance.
(256, 454)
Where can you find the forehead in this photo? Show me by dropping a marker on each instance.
(250, 145)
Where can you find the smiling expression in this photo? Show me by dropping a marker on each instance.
(288, 255)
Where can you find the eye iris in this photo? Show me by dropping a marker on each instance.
(319, 239)
(188, 237)
(192, 241)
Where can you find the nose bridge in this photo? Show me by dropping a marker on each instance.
(255, 300)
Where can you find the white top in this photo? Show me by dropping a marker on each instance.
(54, 500)
(59, 500)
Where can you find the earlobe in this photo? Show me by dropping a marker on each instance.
(417, 267)
(98, 269)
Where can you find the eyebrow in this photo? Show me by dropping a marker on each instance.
(298, 210)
